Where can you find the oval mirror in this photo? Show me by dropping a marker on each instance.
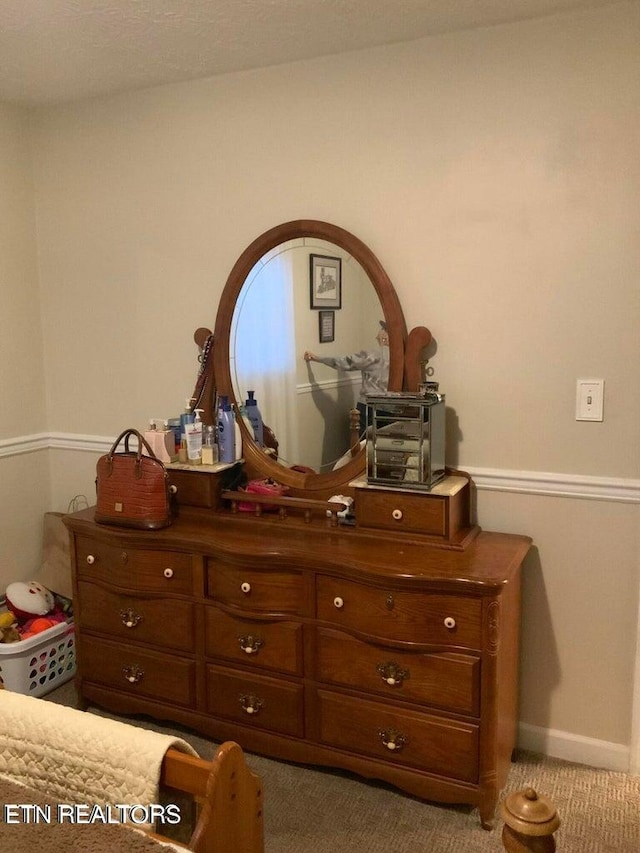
(304, 286)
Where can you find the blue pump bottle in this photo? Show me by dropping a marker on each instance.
(226, 432)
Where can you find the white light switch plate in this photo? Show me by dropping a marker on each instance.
(590, 400)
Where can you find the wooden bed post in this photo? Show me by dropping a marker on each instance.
(529, 823)
(229, 796)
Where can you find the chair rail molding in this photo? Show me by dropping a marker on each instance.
(617, 489)
(24, 444)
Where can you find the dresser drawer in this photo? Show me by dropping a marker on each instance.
(266, 645)
(160, 621)
(411, 617)
(138, 569)
(276, 591)
(256, 700)
(441, 679)
(433, 744)
(400, 511)
(140, 672)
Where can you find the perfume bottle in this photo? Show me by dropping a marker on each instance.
(209, 446)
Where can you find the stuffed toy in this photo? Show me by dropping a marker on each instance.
(33, 609)
(39, 624)
(9, 628)
(28, 600)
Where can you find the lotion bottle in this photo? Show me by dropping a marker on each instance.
(151, 435)
(169, 443)
(238, 438)
(161, 441)
(194, 440)
(186, 417)
(253, 413)
(209, 446)
(226, 432)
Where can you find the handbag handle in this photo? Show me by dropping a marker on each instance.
(142, 442)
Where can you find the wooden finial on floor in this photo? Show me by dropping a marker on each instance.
(529, 823)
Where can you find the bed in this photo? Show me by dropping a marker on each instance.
(68, 780)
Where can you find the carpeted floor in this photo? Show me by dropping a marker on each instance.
(318, 811)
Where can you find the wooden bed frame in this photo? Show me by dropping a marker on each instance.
(228, 797)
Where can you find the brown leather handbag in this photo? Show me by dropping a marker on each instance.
(132, 487)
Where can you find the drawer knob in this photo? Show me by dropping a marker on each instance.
(392, 674)
(130, 618)
(133, 674)
(250, 644)
(392, 739)
(251, 704)
(449, 622)
(90, 559)
(245, 587)
(338, 602)
(168, 573)
(173, 489)
(397, 514)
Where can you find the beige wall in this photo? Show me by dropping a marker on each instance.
(495, 174)
(24, 471)
(21, 364)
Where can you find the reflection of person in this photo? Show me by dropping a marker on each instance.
(372, 364)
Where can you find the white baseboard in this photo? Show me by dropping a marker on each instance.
(570, 747)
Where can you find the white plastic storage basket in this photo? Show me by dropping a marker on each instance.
(39, 664)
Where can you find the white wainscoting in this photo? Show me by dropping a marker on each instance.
(325, 385)
(615, 489)
(565, 745)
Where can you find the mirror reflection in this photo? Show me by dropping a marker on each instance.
(308, 296)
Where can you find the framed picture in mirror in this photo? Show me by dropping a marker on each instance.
(326, 326)
(326, 281)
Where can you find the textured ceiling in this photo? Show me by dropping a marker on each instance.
(53, 51)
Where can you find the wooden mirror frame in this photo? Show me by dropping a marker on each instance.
(257, 463)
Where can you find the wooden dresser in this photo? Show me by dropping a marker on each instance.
(381, 649)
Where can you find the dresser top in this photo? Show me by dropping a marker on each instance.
(489, 561)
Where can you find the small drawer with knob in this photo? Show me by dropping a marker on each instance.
(162, 622)
(134, 568)
(270, 645)
(138, 671)
(409, 739)
(268, 591)
(390, 509)
(411, 617)
(443, 680)
(256, 700)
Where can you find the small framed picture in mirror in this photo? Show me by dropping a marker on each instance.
(327, 326)
(326, 281)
